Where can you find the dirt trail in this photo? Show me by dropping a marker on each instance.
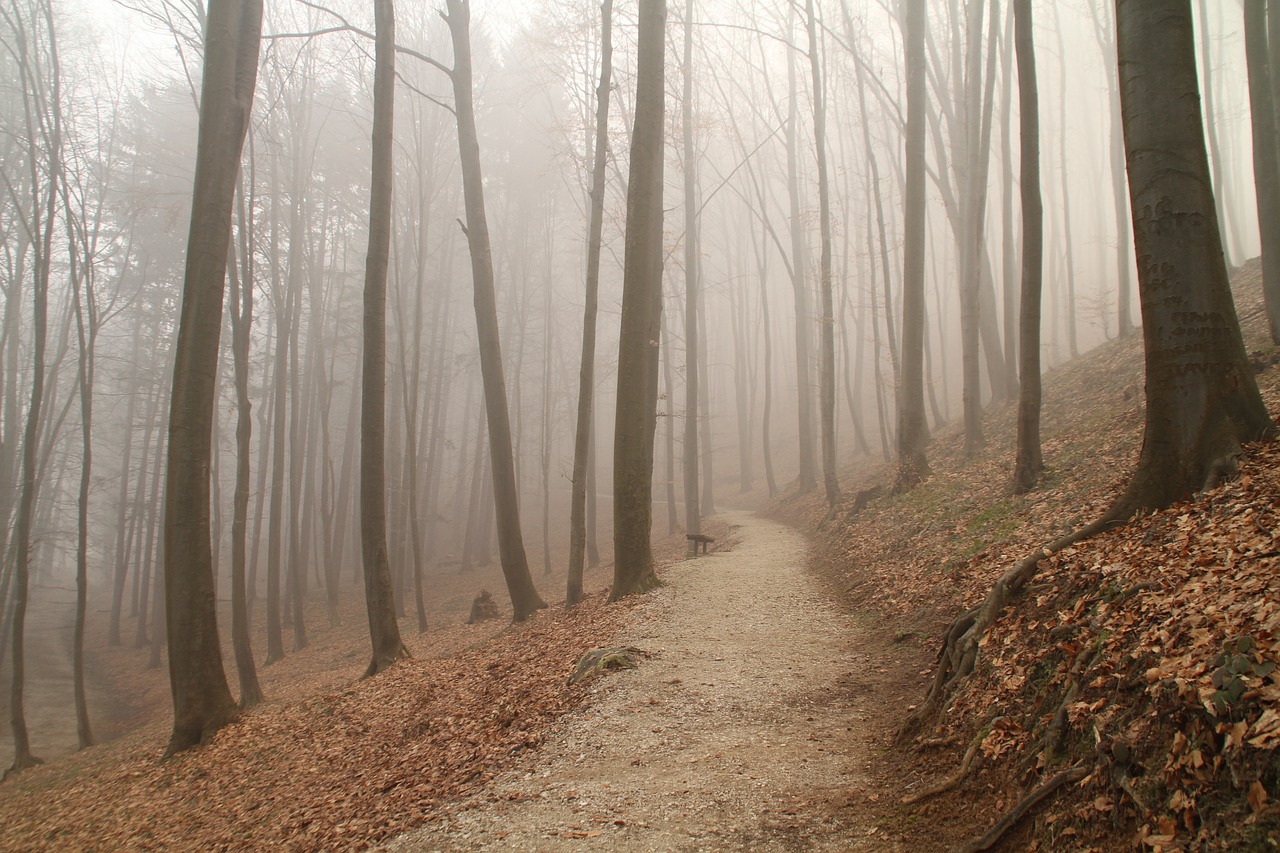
(741, 730)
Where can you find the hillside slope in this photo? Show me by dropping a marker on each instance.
(1139, 675)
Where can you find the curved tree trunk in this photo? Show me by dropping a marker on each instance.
(202, 702)
(515, 564)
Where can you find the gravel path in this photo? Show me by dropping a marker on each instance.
(739, 731)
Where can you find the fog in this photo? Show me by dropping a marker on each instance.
(125, 107)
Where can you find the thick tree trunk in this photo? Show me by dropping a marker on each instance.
(587, 365)
(1202, 401)
(1029, 462)
(384, 632)
(913, 432)
(202, 702)
(637, 397)
(515, 564)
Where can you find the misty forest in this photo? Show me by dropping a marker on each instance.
(640, 424)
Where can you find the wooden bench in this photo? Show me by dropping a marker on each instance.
(699, 541)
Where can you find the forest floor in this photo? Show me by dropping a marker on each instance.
(774, 675)
(747, 724)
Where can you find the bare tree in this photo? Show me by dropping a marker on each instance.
(1202, 400)
(826, 333)
(384, 632)
(1266, 155)
(515, 563)
(640, 328)
(692, 269)
(1029, 462)
(913, 432)
(586, 370)
(202, 702)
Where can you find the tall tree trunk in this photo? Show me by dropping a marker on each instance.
(826, 335)
(637, 396)
(1009, 245)
(202, 702)
(384, 631)
(515, 564)
(42, 142)
(1230, 240)
(800, 286)
(692, 498)
(1029, 462)
(1073, 344)
(587, 365)
(1202, 400)
(1266, 156)
(240, 306)
(913, 432)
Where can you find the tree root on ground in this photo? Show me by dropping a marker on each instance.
(951, 781)
(959, 653)
(988, 839)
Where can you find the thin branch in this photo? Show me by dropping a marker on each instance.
(347, 26)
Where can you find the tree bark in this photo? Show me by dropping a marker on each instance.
(913, 432)
(1266, 156)
(1029, 462)
(826, 334)
(692, 498)
(637, 398)
(515, 564)
(202, 702)
(1202, 400)
(586, 371)
(384, 631)
(240, 306)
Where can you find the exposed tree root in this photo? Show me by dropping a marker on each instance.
(951, 781)
(988, 839)
(959, 652)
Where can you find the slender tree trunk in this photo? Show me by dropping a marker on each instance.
(202, 702)
(913, 432)
(637, 396)
(1029, 462)
(515, 565)
(1009, 246)
(240, 307)
(384, 631)
(800, 287)
(692, 508)
(586, 370)
(826, 338)
(1266, 156)
(1230, 242)
(669, 456)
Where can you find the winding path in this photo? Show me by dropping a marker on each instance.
(740, 731)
